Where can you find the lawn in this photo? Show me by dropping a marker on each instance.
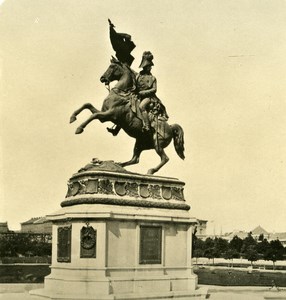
(233, 277)
(27, 273)
(20, 273)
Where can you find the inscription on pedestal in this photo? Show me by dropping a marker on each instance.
(150, 244)
(64, 244)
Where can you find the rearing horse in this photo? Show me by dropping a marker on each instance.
(117, 109)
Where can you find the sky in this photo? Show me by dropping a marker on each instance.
(220, 67)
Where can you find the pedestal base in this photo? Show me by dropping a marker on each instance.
(122, 236)
(200, 293)
(139, 288)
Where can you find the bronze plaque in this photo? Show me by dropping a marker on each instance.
(87, 242)
(64, 244)
(150, 244)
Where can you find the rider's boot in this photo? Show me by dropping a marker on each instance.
(114, 131)
(146, 123)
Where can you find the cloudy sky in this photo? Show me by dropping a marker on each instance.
(220, 67)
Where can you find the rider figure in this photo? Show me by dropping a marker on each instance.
(146, 87)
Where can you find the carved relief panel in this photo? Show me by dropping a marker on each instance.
(87, 242)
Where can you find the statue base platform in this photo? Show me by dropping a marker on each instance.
(121, 235)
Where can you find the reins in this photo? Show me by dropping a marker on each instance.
(107, 86)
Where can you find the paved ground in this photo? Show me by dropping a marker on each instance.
(21, 292)
(232, 296)
(18, 296)
(215, 296)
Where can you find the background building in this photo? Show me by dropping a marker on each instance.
(256, 233)
(37, 225)
(4, 227)
(201, 228)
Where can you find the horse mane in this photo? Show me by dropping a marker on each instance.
(116, 61)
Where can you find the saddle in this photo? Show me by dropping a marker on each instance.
(156, 117)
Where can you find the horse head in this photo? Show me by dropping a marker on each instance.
(122, 73)
(114, 71)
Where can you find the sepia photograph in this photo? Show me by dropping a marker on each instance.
(143, 149)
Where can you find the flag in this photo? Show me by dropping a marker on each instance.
(121, 44)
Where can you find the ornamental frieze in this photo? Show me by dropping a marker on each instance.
(166, 192)
(154, 191)
(120, 188)
(73, 188)
(144, 191)
(124, 188)
(82, 189)
(105, 187)
(132, 189)
(177, 193)
(92, 186)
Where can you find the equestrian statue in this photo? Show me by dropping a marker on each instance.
(132, 104)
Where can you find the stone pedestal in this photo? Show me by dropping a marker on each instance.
(121, 235)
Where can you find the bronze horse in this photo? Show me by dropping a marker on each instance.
(117, 109)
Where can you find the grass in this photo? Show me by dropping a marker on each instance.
(233, 277)
(24, 273)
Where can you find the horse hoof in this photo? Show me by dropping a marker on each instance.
(72, 119)
(79, 130)
(151, 171)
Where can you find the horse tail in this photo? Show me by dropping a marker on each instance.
(178, 136)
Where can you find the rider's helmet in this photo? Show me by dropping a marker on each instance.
(147, 58)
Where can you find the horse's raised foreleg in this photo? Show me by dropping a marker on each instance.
(85, 106)
(102, 116)
(164, 159)
(135, 158)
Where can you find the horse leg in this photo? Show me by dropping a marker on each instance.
(85, 106)
(135, 159)
(164, 159)
(102, 116)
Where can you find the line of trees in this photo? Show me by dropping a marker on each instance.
(248, 248)
(25, 244)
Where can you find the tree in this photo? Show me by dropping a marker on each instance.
(274, 252)
(236, 244)
(230, 254)
(263, 247)
(15, 244)
(249, 250)
(209, 251)
(198, 253)
(221, 246)
(198, 248)
(251, 254)
(248, 243)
